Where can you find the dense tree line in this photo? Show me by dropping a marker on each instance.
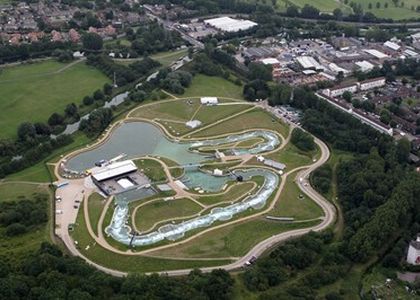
(43, 48)
(20, 216)
(48, 274)
(124, 74)
(302, 140)
(97, 121)
(34, 143)
(377, 191)
(174, 82)
(151, 38)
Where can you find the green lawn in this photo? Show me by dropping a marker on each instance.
(203, 85)
(237, 191)
(181, 111)
(156, 211)
(128, 263)
(167, 58)
(292, 157)
(10, 191)
(32, 92)
(294, 203)
(96, 204)
(250, 120)
(394, 12)
(210, 114)
(234, 240)
(152, 169)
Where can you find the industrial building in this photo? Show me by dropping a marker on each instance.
(228, 24)
(340, 90)
(371, 83)
(308, 62)
(118, 177)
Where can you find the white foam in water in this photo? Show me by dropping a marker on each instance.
(122, 232)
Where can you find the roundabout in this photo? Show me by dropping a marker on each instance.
(192, 193)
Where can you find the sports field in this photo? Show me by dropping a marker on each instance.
(32, 92)
(403, 10)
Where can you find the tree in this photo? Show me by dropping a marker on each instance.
(88, 100)
(71, 110)
(347, 96)
(26, 131)
(260, 71)
(403, 150)
(98, 95)
(338, 14)
(309, 11)
(107, 89)
(92, 42)
(15, 229)
(292, 11)
(385, 116)
(55, 119)
(303, 140)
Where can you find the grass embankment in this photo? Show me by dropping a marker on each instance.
(231, 241)
(96, 204)
(174, 114)
(161, 210)
(294, 203)
(235, 192)
(128, 263)
(32, 92)
(214, 86)
(253, 119)
(152, 169)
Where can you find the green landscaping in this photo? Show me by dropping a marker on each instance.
(96, 204)
(32, 92)
(10, 191)
(403, 9)
(152, 169)
(234, 193)
(231, 241)
(292, 157)
(294, 203)
(254, 119)
(167, 58)
(128, 263)
(203, 85)
(157, 211)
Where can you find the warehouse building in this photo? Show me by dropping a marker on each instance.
(228, 24)
(308, 62)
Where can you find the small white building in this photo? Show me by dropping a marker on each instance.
(217, 172)
(193, 124)
(209, 100)
(371, 83)
(338, 91)
(413, 255)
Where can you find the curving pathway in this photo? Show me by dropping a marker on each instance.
(257, 250)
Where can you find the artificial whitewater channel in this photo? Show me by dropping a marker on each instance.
(139, 139)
